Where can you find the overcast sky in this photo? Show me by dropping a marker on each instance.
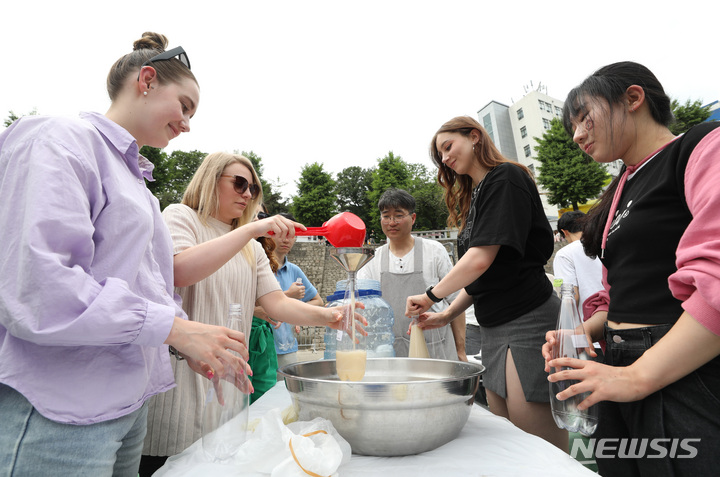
(343, 83)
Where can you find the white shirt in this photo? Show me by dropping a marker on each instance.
(436, 264)
(573, 266)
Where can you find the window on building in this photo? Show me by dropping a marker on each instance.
(527, 151)
(520, 113)
(548, 107)
(542, 104)
(558, 111)
(487, 124)
(523, 132)
(546, 123)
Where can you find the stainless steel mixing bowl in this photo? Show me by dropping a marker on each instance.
(403, 405)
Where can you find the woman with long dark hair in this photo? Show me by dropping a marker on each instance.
(656, 230)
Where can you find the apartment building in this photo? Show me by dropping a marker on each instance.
(514, 128)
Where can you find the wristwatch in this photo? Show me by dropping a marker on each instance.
(432, 296)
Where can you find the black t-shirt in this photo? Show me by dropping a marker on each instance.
(506, 210)
(651, 217)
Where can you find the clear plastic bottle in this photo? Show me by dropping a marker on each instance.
(227, 404)
(377, 312)
(571, 343)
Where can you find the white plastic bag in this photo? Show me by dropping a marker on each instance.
(317, 447)
(284, 451)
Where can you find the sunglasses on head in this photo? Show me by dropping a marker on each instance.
(241, 185)
(169, 55)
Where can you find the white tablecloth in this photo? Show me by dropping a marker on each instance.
(487, 446)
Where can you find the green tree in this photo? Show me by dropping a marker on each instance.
(315, 202)
(569, 176)
(391, 171)
(687, 115)
(172, 173)
(256, 162)
(271, 189)
(12, 117)
(273, 198)
(352, 186)
(430, 207)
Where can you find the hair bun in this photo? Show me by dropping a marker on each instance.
(151, 41)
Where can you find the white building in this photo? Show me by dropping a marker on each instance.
(495, 119)
(514, 128)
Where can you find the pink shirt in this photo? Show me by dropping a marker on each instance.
(697, 280)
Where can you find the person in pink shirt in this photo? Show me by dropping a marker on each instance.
(87, 307)
(657, 232)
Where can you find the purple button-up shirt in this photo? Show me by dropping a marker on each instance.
(86, 270)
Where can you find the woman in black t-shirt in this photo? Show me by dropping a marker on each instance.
(504, 242)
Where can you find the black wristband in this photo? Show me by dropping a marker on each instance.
(432, 296)
(175, 353)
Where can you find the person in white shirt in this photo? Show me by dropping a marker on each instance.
(408, 265)
(572, 265)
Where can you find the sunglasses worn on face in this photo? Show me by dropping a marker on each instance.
(241, 185)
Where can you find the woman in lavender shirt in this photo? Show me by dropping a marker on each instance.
(87, 307)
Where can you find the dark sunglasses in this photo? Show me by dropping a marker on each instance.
(241, 185)
(262, 215)
(170, 54)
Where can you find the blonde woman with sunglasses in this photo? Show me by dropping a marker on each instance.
(87, 308)
(216, 263)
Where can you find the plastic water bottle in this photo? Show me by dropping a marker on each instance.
(378, 313)
(571, 342)
(227, 404)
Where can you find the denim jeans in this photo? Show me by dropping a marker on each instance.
(674, 423)
(32, 445)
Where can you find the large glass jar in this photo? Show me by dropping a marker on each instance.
(378, 313)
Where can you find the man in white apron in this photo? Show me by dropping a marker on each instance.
(408, 265)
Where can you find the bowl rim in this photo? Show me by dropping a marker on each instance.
(480, 370)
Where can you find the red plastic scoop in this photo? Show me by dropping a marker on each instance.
(342, 230)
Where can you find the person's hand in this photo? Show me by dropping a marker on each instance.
(276, 225)
(296, 290)
(342, 322)
(417, 304)
(551, 347)
(209, 348)
(431, 321)
(240, 380)
(603, 382)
